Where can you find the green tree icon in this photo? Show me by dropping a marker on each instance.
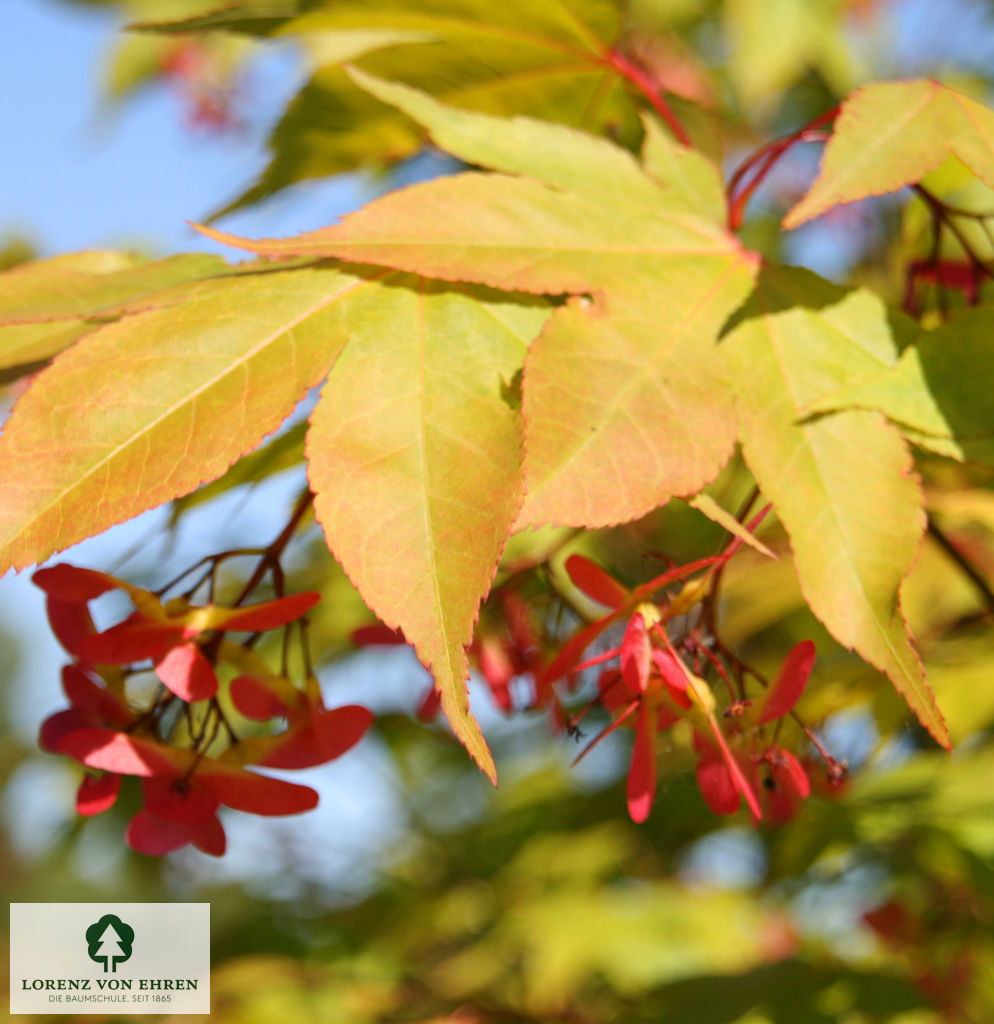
(109, 941)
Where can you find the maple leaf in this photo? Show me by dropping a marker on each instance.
(574, 214)
(414, 456)
(774, 43)
(849, 501)
(892, 134)
(94, 284)
(162, 401)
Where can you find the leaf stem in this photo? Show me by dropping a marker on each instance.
(944, 215)
(645, 83)
(763, 160)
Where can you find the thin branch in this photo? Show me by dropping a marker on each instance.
(965, 565)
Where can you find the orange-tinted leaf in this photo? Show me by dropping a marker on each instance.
(582, 217)
(93, 284)
(892, 134)
(850, 500)
(415, 462)
(162, 401)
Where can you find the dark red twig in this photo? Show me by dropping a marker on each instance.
(646, 85)
(761, 162)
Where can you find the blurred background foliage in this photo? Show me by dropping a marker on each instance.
(541, 901)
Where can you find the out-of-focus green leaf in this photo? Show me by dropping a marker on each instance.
(542, 59)
(14, 251)
(342, 45)
(253, 17)
(965, 507)
(773, 43)
(961, 681)
(930, 791)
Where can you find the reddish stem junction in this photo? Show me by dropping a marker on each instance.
(758, 165)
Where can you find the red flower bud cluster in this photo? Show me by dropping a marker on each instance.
(182, 746)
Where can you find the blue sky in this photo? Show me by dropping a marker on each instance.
(77, 175)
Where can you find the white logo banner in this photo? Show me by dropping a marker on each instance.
(110, 958)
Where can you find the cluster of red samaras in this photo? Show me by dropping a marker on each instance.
(506, 646)
(182, 745)
(652, 688)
